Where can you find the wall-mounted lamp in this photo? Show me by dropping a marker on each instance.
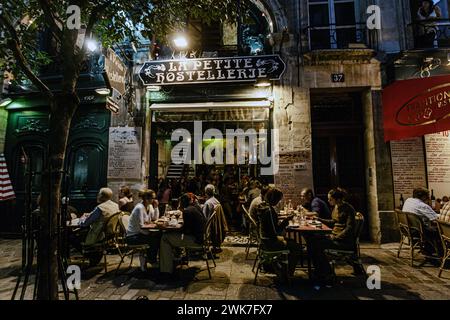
(103, 91)
(5, 102)
(153, 88)
(180, 42)
(264, 83)
(91, 45)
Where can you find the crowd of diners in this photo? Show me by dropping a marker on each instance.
(263, 202)
(263, 207)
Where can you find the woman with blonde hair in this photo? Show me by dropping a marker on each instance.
(126, 202)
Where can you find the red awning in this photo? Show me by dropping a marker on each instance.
(6, 190)
(413, 108)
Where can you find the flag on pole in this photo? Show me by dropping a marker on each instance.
(6, 190)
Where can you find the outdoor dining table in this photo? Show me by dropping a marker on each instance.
(163, 225)
(297, 231)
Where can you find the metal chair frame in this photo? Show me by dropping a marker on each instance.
(108, 242)
(123, 248)
(417, 236)
(252, 232)
(206, 247)
(349, 256)
(444, 232)
(402, 222)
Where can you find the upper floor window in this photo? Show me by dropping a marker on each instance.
(332, 23)
(249, 37)
(430, 25)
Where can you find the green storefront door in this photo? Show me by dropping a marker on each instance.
(86, 158)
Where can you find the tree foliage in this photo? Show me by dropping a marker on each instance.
(109, 22)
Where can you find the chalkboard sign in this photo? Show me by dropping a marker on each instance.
(337, 77)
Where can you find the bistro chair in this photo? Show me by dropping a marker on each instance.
(402, 223)
(102, 248)
(418, 238)
(205, 248)
(352, 257)
(123, 248)
(268, 257)
(252, 232)
(444, 232)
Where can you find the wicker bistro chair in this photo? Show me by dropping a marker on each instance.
(352, 257)
(123, 248)
(402, 222)
(444, 232)
(417, 236)
(205, 248)
(106, 245)
(252, 232)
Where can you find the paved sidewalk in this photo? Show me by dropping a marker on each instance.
(233, 279)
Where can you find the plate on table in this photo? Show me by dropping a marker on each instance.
(293, 226)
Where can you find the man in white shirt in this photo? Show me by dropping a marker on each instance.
(418, 205)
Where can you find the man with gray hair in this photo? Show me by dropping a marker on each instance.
(211, 202)
(96, 219)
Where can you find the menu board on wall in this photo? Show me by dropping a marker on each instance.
(294, 173)
(438, 163)
(124, 155)
(408, 167)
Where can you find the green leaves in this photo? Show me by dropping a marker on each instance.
(114, 22)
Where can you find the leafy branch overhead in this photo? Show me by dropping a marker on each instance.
(26, 24)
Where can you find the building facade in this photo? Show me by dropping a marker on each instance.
(327, 104)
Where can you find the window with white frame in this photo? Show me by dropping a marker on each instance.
(332, 23)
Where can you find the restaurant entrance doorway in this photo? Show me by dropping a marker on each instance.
(229, 177)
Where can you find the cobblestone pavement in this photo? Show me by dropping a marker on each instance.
(233, 279)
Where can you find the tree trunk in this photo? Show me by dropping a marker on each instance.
(62, 110)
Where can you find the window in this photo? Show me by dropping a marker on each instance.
(86, 175)
(332, 23)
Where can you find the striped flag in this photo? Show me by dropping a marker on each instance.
(6, 190)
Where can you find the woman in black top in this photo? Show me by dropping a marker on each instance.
(271, 230)
(342, 236)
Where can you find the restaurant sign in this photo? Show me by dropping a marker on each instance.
(416, 107)
(212, 70)
(116, 71)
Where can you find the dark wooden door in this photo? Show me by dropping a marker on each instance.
(338, 161)
(86, 158)
(338, 146)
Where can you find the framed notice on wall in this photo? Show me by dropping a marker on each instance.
(408, 167)
(438, 163)
(124, 154)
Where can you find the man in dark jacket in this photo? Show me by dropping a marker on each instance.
(191, 234)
